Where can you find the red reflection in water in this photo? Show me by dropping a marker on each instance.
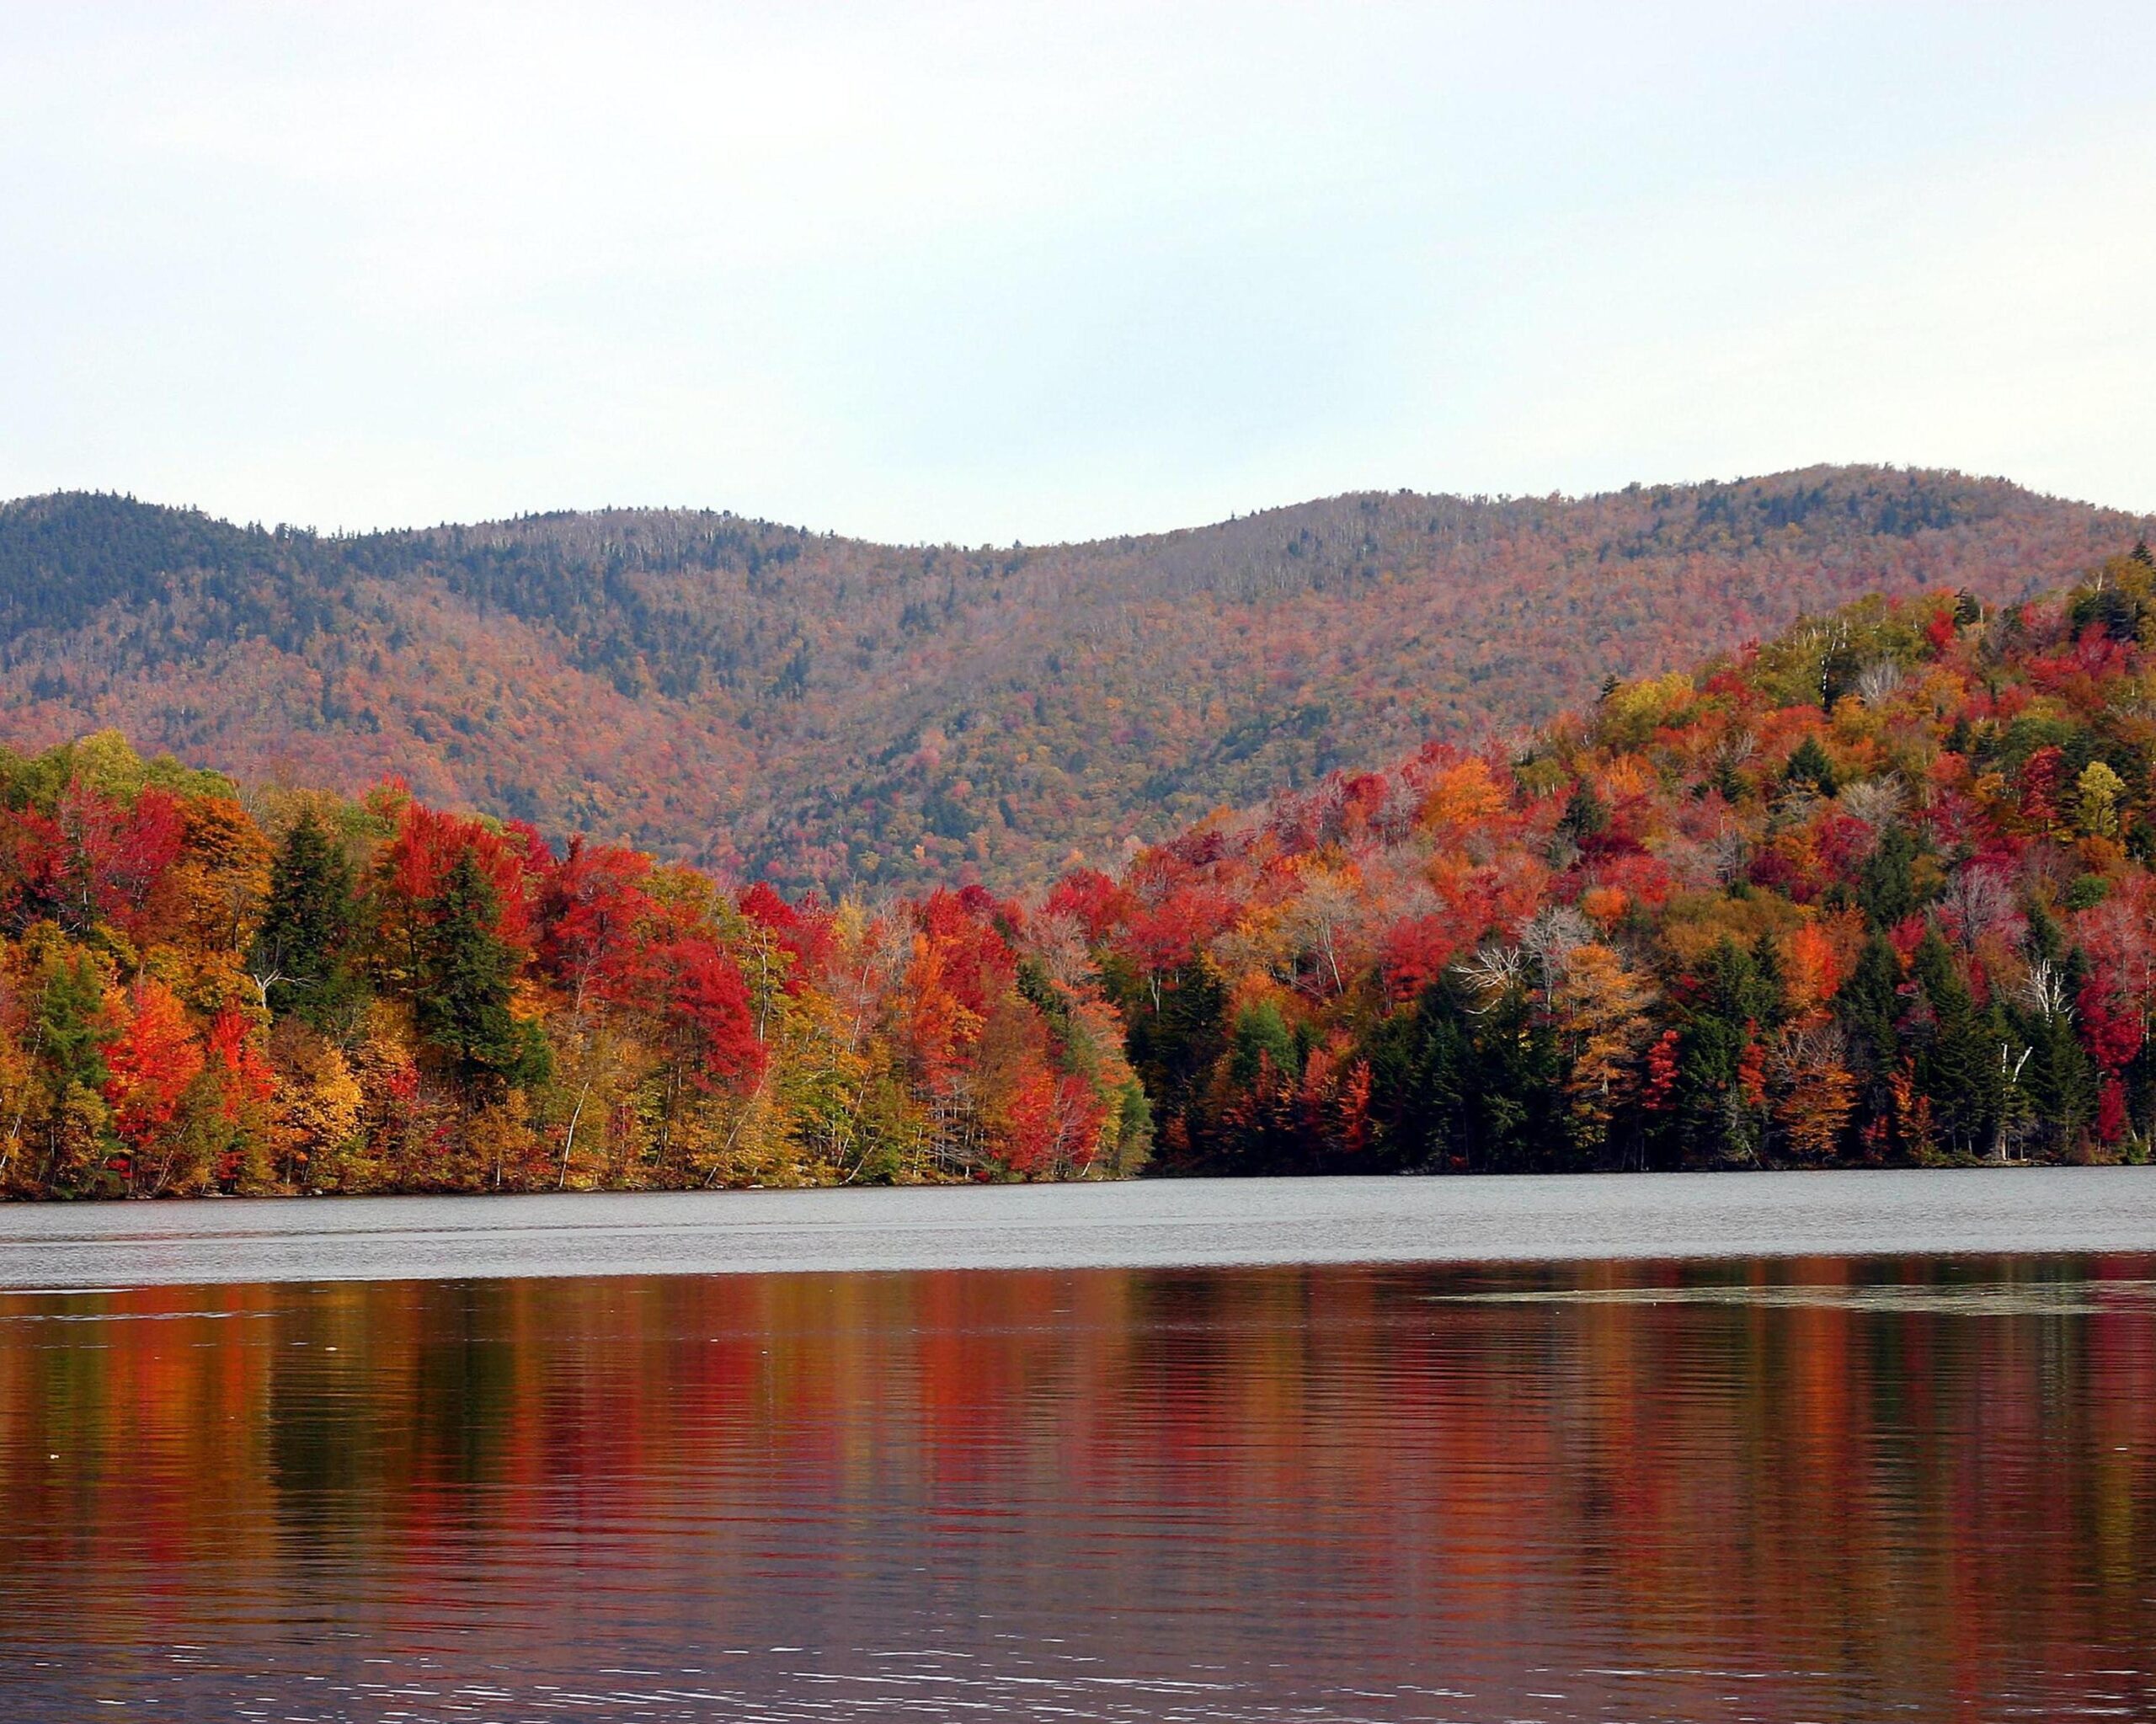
(1812, 1490)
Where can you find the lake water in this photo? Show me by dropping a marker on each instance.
(1692, 1483)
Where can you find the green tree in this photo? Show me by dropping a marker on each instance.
(467, 975)
(1809, 766)
(72, 1031)
(1869, 1007)
(1586, 816)
(302, 955)
(2045, 939)
(1718, 1113)
(1887, 885)
(1957, 1063)
(1468, 1084)
(2055, 1084)
(1174, 1033)
(1262, 1040)
(71, 1027)
(1870, 1003)
(1760, 992)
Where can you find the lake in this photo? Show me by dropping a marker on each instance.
(1615, 1459)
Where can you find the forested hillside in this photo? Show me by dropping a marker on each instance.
(302, 993)
(1877, 892)
(767, 702)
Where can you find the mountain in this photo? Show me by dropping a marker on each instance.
(764, 700)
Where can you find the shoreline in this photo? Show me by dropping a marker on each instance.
(1136, 1224)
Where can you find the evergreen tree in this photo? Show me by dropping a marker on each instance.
(1809, 766)
(2057, 1081)
(2055, 1091)
(1173, 1037)
(1586, 816)
(466, 978)
(1869, 1007)
(1886, 886)
(72, 1030)
(2044, 938)
(1760, 994)
(1472, 1087)
(1133, 1141)
(1870, 1003)
(1741, 997)
(1262, 1040)
(1958, 1062)
(303, 950)
(1710, 1123)
(1513, 1088)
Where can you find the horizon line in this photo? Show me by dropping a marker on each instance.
(1478, 499)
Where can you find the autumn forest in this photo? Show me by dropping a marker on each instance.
(769, 703)
(1876, 891)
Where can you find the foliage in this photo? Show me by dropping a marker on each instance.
(1723, 923)
(844, 716)
(321, 996)
(1876, 891)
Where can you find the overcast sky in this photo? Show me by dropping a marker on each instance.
(1001, 272)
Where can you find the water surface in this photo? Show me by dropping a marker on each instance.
(1803, 1488)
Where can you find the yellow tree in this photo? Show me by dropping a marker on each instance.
(1600, 1009)
(2096, 797)
(1812, 1089)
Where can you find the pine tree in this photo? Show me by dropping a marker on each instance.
(1957, 1064)
(2058, 1079)
(466, 977)
(1262, 1044)
(1511, 1086)
(1175, 1030)
(2044, 939)
(72, 1031)
(1586, 816)
(1769, 986)
(301, 956)
(1887, 885)
(1467, 1085)
(1718, 1048)
(1809, 766)
(1869, 1005)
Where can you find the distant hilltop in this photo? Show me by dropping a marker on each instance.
(767, 701)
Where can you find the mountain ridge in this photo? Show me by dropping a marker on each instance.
(771, 700)
(691, 511)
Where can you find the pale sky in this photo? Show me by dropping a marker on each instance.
(980, 274)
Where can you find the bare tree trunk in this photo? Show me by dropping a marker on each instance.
(568, 1143)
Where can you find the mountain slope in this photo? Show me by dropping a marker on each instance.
(827, 711)
(1883, 890)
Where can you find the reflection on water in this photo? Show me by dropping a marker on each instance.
(2030, 1297)
(1816, 1489)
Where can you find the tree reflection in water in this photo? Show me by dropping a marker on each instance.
(1810, 1489)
